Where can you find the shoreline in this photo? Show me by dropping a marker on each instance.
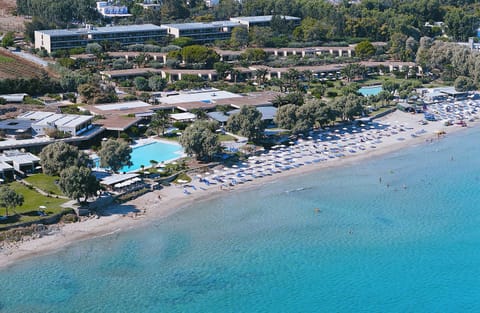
(162, 203)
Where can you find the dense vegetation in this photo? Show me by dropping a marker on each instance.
(393, 20)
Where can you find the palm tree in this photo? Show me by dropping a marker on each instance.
(160, 121)
(261, 74)
(234, 74)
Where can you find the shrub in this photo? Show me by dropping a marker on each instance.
(69, 218)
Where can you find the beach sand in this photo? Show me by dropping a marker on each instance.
(164, 202)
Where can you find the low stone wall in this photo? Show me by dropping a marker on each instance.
(45, 221)
(384, 113)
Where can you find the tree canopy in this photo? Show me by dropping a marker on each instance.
(76, 182)
(247, 122)
(115, 154)
(60, 155)
(200, 139)
(9, 199)
(196, 54)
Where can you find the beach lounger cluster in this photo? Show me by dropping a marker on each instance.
(458, 112)
(320, 146)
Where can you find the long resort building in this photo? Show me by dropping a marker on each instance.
(64, 39)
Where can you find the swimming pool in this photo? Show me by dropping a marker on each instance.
(158, 151)
(370, 90)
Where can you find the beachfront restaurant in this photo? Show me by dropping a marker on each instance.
(122, 183)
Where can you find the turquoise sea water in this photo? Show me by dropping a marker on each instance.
(410, 243)
(370, 90)
(157, 151)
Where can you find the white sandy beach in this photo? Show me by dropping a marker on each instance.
(161, 203)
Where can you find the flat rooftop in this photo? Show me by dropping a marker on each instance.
(122, 106)
(18, 157)
(48, 118)
(103, 30)
(117, 178)
(262, 18)
(15, 124)
(268, 112)
(205, 97)
(189, 26)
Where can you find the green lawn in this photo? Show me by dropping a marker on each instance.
(32, 201)
(45, 183)
(4, 59)
(225, 137)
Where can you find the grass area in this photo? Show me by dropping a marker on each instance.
(32, 201)
(45, 183)
(225, 137)
(4, 59)
(183, 177)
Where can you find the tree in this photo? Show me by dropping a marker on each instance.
(463, 83)
(226, 9)
(261, 36)
(364, 49)
(157, 83)
(253, 55)
(307, 116)
(223, 69)
(9, 199)
(174, 10)
(247, 122)
(141, 83)
(76, 182)
(390, 86)
(310, 29)
(197, 54)
(7, 40)
(261, 75)
(115, 154)
(286, 116)
(200, 139)
(182, 41)
(459, 24)
(60, 155)
(94, 48)
(350, 106)
(353, 70)
(239, 37)
(160, 121)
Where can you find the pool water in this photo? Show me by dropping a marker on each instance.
(371, 90)
(158, 151)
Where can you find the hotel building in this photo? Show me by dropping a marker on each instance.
(64, 39)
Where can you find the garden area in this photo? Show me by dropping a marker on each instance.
(34, 207)
(46, 183)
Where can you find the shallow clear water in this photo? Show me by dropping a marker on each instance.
(413, 246)
(370, 91)
(158, 151)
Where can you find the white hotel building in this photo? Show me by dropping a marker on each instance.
(69, 123)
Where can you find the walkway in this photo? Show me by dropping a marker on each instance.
(32, 58)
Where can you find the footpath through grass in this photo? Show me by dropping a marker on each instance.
(45, 183)
(31, 205)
